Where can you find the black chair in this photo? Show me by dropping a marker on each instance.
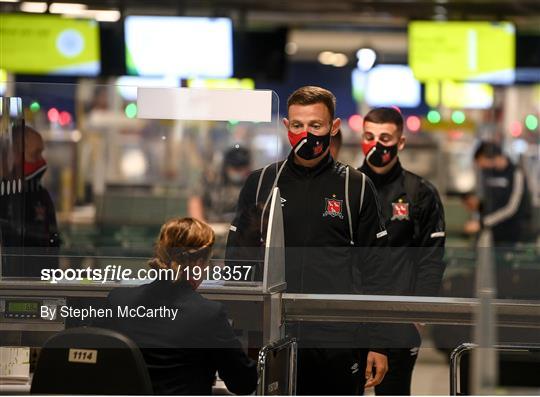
(89, 360)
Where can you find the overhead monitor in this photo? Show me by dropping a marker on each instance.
(459, 95)
(186, 47)
(388, 85)
(3, 80)
(231, 84)
(49, 44)
(463, 51)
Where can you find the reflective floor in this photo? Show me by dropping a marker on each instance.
(431, 374)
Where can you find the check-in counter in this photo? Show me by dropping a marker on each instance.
(251, 309)
(254, 307)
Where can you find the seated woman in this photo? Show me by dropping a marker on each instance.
(182, 351)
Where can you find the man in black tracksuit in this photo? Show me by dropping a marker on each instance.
(38, 234)
(414, 218)
(505, 198)
(334, 243)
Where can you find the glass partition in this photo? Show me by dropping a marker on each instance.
(106, 165)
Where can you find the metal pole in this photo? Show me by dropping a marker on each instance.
(484, 376)
(455, 359)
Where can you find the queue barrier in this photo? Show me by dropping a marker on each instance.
(530, 358)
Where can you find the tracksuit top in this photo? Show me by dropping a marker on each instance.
(334, 234)
(414, 217)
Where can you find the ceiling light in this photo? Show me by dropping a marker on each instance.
(36, 7)
(66, 8)
(326, 57)
(102, 15)
(340, 60)
(291, 48)
(366, 59)
(9, 1)
(440, 10)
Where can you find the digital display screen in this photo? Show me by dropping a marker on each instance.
(22, 307)
(389, 85)
(186, 47)
(463, 51)
(457, 95)
(49, 44)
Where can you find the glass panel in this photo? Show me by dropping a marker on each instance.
(112, 178)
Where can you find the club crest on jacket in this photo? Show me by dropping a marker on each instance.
(333, 208)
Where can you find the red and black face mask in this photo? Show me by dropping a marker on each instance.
(32, 169)
(309, 146)
(379, 155)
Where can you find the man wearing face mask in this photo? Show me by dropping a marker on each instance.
(334, 237)
(217, 203)
(414, 218)
(40, 235)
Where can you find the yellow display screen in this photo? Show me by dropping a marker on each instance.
(459, 95)
(22, 307)
(455, 50)
(232, 83)
(49, 44)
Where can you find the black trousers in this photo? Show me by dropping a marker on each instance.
(397, 381)
(331, 371)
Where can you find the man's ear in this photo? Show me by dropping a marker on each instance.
(336, 125)
(401, 142)
(285, 122)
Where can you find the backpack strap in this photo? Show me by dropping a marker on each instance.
(362, 193)
(261, 177)
(269, 194)
(347, 204)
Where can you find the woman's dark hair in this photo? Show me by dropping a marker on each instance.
(182, 242)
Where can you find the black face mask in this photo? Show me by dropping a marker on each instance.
(309, 146)
(380, 155)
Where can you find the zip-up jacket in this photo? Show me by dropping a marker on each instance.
(335, 240)
(414, 217)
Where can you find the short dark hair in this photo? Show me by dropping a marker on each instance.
(487, 149)
(310, 95)
(385, 115)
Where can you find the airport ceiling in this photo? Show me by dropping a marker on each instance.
(308, 12)
(409, 8)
